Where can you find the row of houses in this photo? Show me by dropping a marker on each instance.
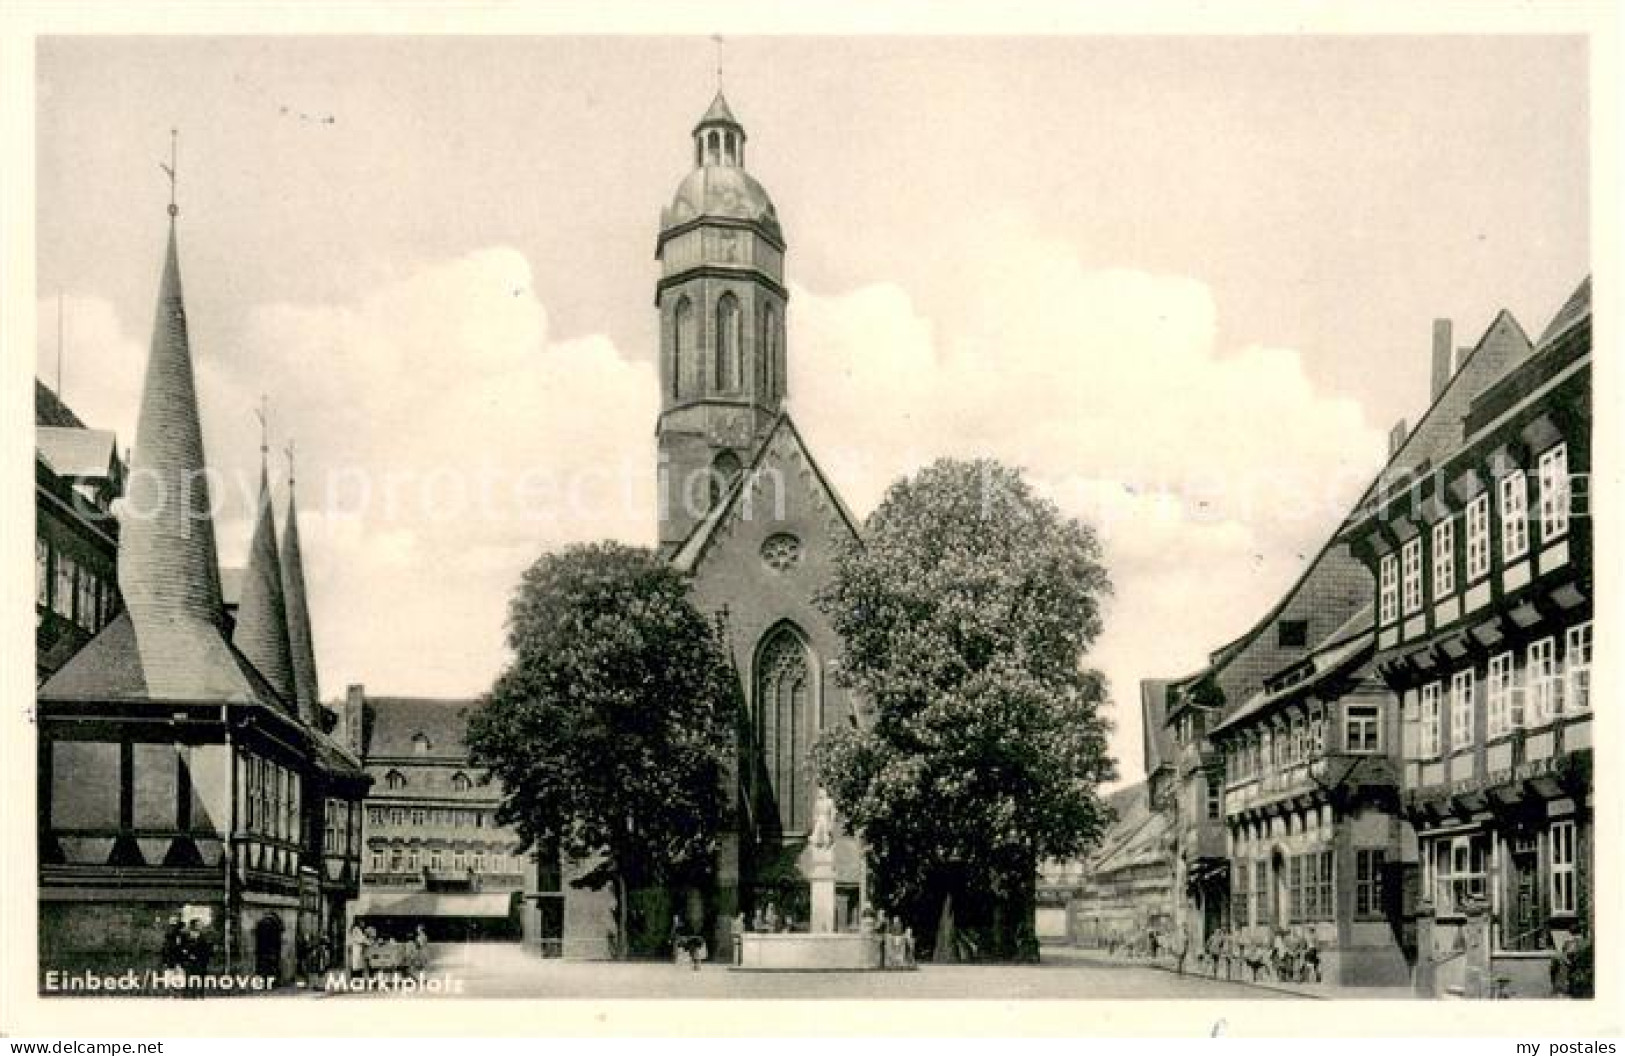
(1394, 761)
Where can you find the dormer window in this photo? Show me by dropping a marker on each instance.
(395, 780)
(460, 782)
(420, 744)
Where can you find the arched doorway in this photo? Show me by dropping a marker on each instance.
(268, 947)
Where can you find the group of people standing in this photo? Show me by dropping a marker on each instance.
(186, 950)
(1255, 953)
(368, 954)
(896, 940)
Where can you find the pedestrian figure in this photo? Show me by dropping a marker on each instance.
(356, 948)
(196, 951)
(736, 931)
(420, 951)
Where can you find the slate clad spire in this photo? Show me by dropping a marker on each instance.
(168, 569)
(261, 634)
(299, 632)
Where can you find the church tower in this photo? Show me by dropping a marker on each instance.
(721, 300)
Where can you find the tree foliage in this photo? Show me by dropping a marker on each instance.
(965, 616)
(610, 728)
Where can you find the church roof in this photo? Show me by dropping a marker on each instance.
(1577, 307)
(725, 192)
(262, 613)
(50, 410)
(693, 549)
(718, 113)
(300, 638)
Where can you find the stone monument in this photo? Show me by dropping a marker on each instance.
(821, 872)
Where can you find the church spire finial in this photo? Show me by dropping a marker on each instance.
(717, 37)
(174, 141)
(289, 452)
(263, 413)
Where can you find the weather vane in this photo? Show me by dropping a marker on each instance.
(718, 38)
(289, 451)
(263, 413)
(174, 137)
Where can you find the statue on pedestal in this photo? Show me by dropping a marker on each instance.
(823, 830)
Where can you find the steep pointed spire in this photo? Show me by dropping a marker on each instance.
(300, 638)
(168, 570)
(261, 634)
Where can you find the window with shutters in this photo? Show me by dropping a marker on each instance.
(1545, 689)
(1444, 559)
(1461, 709)
(1514, 515)
(1577, 667)
(1388, 589)
(1501, 713)
(1432, 721)
(1554, 493)
(1411, 575)
(1562, 849)
(1478, 538)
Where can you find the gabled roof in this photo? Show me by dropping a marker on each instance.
(395, 723)
(1577, 307)
(693, 549)
(1338, 652)
(1503, 345)
(50, 410)
(78, 453)
(1158, 745)
(161, 660)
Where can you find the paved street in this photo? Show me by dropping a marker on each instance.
(495, 970)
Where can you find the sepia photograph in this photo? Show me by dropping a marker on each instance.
(751, 516)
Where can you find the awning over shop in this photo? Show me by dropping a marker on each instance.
(428, 904)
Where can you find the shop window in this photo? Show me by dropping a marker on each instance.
(1459, 868)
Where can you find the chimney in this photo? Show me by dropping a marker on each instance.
(1444, 364)
(1396, 438)
(355, 704)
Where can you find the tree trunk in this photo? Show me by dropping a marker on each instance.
(623, 941)
(947, 950)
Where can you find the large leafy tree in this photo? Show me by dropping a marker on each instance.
(966, 615)
(610, 728)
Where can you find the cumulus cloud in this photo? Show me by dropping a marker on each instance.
(448, 437)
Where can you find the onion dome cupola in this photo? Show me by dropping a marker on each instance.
(721, 298)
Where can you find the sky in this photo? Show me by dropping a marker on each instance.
(1187, 283)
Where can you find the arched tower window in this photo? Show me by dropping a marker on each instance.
(770, 355)
(395, 780)
(713, 147)
(782, 722)
(728, 372)
(682, 349)
(724, 468)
